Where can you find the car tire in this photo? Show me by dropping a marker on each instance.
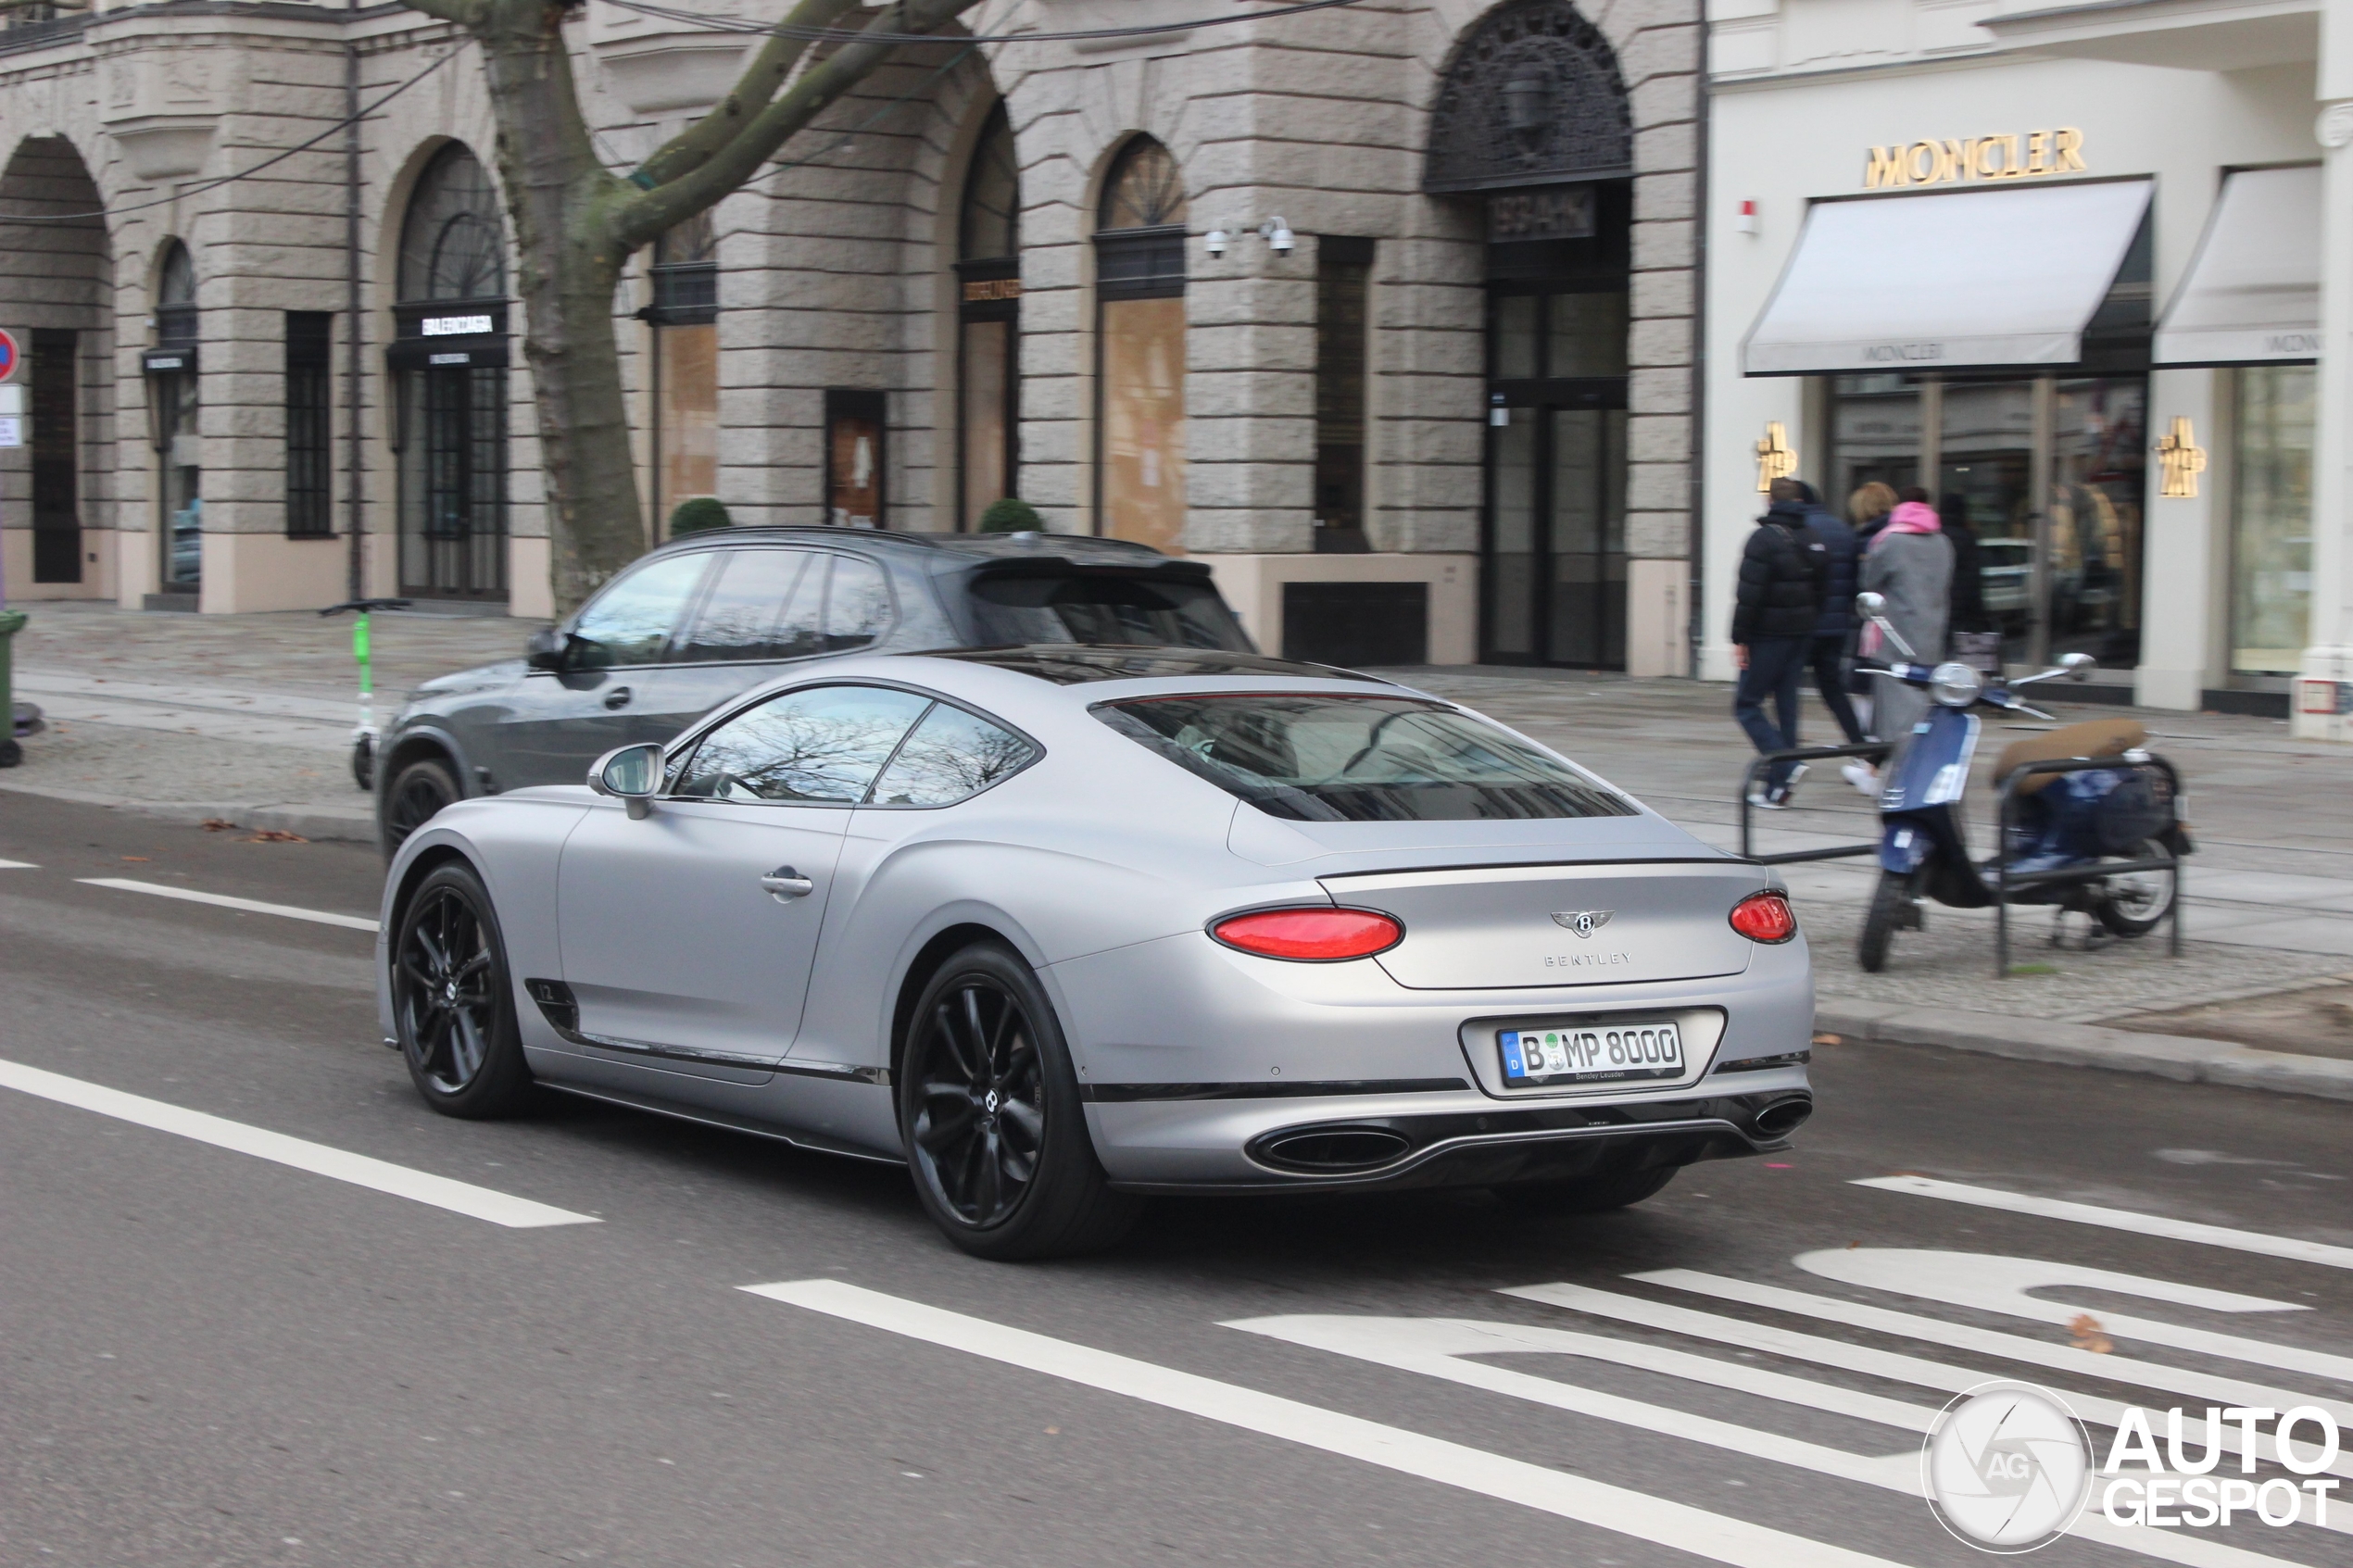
(989, 1114)
(2141, 902)
(1891, 902)
(453, 999)
(411, 796)
(1585, 1195)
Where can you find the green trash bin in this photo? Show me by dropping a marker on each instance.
(11, 620)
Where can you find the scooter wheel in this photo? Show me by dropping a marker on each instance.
(2137, 902)
(1890, 903)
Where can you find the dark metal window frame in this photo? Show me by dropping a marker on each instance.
(310, 402)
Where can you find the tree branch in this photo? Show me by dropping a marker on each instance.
(637, 220)
(759, 84)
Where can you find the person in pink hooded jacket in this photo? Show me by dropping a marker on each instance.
(1910, 563)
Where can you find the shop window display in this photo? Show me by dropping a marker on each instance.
(2272, 519)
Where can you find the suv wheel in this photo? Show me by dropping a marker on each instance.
(411, 796)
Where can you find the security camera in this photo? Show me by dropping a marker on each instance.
(1278, 236)
(1214, 242)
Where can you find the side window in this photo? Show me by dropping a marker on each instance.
(821, 743)
(630, 623)
(857, 604)
(752, 593)
(952, 755)
(800, 630)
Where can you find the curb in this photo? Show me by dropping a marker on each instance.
(2185, 1060)
(320, 820)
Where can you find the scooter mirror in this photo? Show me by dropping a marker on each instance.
(1870, 604)
(2079, 666)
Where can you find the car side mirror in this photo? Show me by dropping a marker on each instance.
(630, 774)
(2079, 666)
(1870, 604)
(546, 648)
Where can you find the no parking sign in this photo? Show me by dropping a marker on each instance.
(11, 398)
(9, 359)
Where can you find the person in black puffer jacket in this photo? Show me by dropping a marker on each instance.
(1784, 571)
(1834, 631)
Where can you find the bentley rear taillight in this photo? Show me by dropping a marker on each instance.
(1764, 917)
(1310, 936)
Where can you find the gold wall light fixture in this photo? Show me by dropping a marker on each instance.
(2184, 459)
(1774, 458)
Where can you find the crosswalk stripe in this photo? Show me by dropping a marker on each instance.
(2286, 1247)
(1943, 1376)
(1679, 1525)
(222, 900)
(1993, 1342)
(360, 1170)
(1415, 1345)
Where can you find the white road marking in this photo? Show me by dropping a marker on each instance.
(1679, 1525)
(1993, 1283)
(360, 1170)
(17, 866)
(1433, 1346)
(2120, 1219)
(250, 906)
(1993, 1342)
(1943, 1376)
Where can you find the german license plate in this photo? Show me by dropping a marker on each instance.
(1590, 1055)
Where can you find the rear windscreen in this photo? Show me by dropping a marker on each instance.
(1103, 609)
(1329, 758)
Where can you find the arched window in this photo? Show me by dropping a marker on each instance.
(176, 296)
(453, 243)
(1140, 330)
(988, 330)
(450, 356)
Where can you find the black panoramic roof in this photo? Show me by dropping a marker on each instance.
(1074, 549)
(1071, 664)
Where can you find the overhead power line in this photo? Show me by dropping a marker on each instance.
(844, 35)
(202, 187)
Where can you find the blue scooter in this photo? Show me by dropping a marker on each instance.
(2064, 823)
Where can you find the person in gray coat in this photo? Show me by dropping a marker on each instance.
(1910, 562)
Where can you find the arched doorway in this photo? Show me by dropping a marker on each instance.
(450, 359)
(57, 277)
(989, 324)
(175, 409)
(1532, 122)
(1140, 349)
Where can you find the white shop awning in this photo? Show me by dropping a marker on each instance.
(1962, 278)
(2252, 295)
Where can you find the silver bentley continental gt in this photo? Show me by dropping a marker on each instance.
(1062, 927)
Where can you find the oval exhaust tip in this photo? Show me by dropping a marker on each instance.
(1336, 1149)
(1784, 1117)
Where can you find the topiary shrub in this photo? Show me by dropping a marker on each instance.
(699, 516)
(1011, 515)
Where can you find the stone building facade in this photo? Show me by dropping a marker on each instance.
(1384, 310)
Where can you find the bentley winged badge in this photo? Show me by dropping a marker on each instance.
(1582, 921)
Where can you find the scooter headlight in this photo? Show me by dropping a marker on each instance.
(1956, 685)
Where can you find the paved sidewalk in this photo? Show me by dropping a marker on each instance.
(248, 717)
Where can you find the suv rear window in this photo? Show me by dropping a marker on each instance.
(1105, 607)
(1316, 757)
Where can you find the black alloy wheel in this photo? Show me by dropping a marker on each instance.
(452, 1001)
(411, 798)
(991, 1115)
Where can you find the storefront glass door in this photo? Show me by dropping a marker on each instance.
(2272, 519)
(1985, 484)
(453, 524)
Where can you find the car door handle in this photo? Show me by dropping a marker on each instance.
(617, 699)
(784, 883)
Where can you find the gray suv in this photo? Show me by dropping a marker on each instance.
(703, 618)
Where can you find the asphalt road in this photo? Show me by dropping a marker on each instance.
(211, 1357)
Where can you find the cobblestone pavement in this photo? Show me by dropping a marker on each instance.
(206, 711)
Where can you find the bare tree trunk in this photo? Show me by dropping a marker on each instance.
(561, 199)
(577, 225)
